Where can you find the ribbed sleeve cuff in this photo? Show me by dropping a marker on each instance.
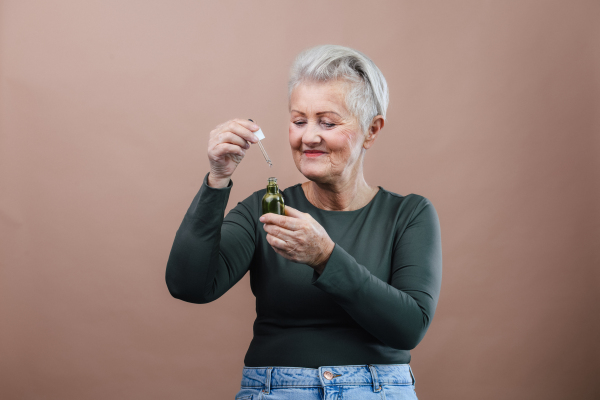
(342, 277)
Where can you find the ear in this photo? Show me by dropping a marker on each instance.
(374, 129)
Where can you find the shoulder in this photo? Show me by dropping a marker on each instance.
(408, 207)
(409, 201)
(292, 190)
(254, 200)
(250, 207)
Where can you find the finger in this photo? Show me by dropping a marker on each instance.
(243, 128)
(282, 221)
(229, 137)
(276, 242)
(279, 232)
(251, 125)
(235, 128)
(292, 212)
(284, 254)
(228, 148)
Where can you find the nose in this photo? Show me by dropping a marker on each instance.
(311, 136)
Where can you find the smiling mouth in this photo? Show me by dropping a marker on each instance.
(313, 154)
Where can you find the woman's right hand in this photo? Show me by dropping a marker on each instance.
(227, 146)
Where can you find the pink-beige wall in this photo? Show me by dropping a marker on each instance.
(105, 111)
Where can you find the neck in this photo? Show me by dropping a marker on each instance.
(347, 194)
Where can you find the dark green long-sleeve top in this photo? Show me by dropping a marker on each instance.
(372, 304)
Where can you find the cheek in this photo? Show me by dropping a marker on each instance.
(295, 139)
(344, 143)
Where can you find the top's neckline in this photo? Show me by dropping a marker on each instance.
(338, 211)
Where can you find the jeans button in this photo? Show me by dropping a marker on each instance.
(328, 375)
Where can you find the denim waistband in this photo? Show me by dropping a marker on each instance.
(366, 374)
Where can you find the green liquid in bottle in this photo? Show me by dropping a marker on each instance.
(272, 201)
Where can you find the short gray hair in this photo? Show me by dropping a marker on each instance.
(368, 95)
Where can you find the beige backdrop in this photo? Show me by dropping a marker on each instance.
(105, 111)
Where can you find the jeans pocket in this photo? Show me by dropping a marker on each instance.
(248, 394)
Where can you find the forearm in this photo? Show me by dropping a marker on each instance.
(195, 255)
(389, 314)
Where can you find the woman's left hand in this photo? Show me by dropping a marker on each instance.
(298, 237)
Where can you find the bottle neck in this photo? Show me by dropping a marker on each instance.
(272, 188)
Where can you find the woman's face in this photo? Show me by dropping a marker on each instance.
(326, 139)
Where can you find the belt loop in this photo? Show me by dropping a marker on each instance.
(375, 378)
(267, 388)
(411, 374)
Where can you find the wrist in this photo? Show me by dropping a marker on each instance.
(320, 267)
(217, 182)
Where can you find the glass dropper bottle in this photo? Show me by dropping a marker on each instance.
(272, 201)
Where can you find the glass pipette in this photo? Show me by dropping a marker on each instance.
(260, 136)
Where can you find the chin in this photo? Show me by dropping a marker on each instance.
(314, 173)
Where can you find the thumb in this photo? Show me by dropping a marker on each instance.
(292, 212)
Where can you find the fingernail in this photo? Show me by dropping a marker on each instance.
(255, 138)
(254, 126)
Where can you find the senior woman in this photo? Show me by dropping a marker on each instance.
(347, 282)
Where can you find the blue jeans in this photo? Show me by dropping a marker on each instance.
(347, 382)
